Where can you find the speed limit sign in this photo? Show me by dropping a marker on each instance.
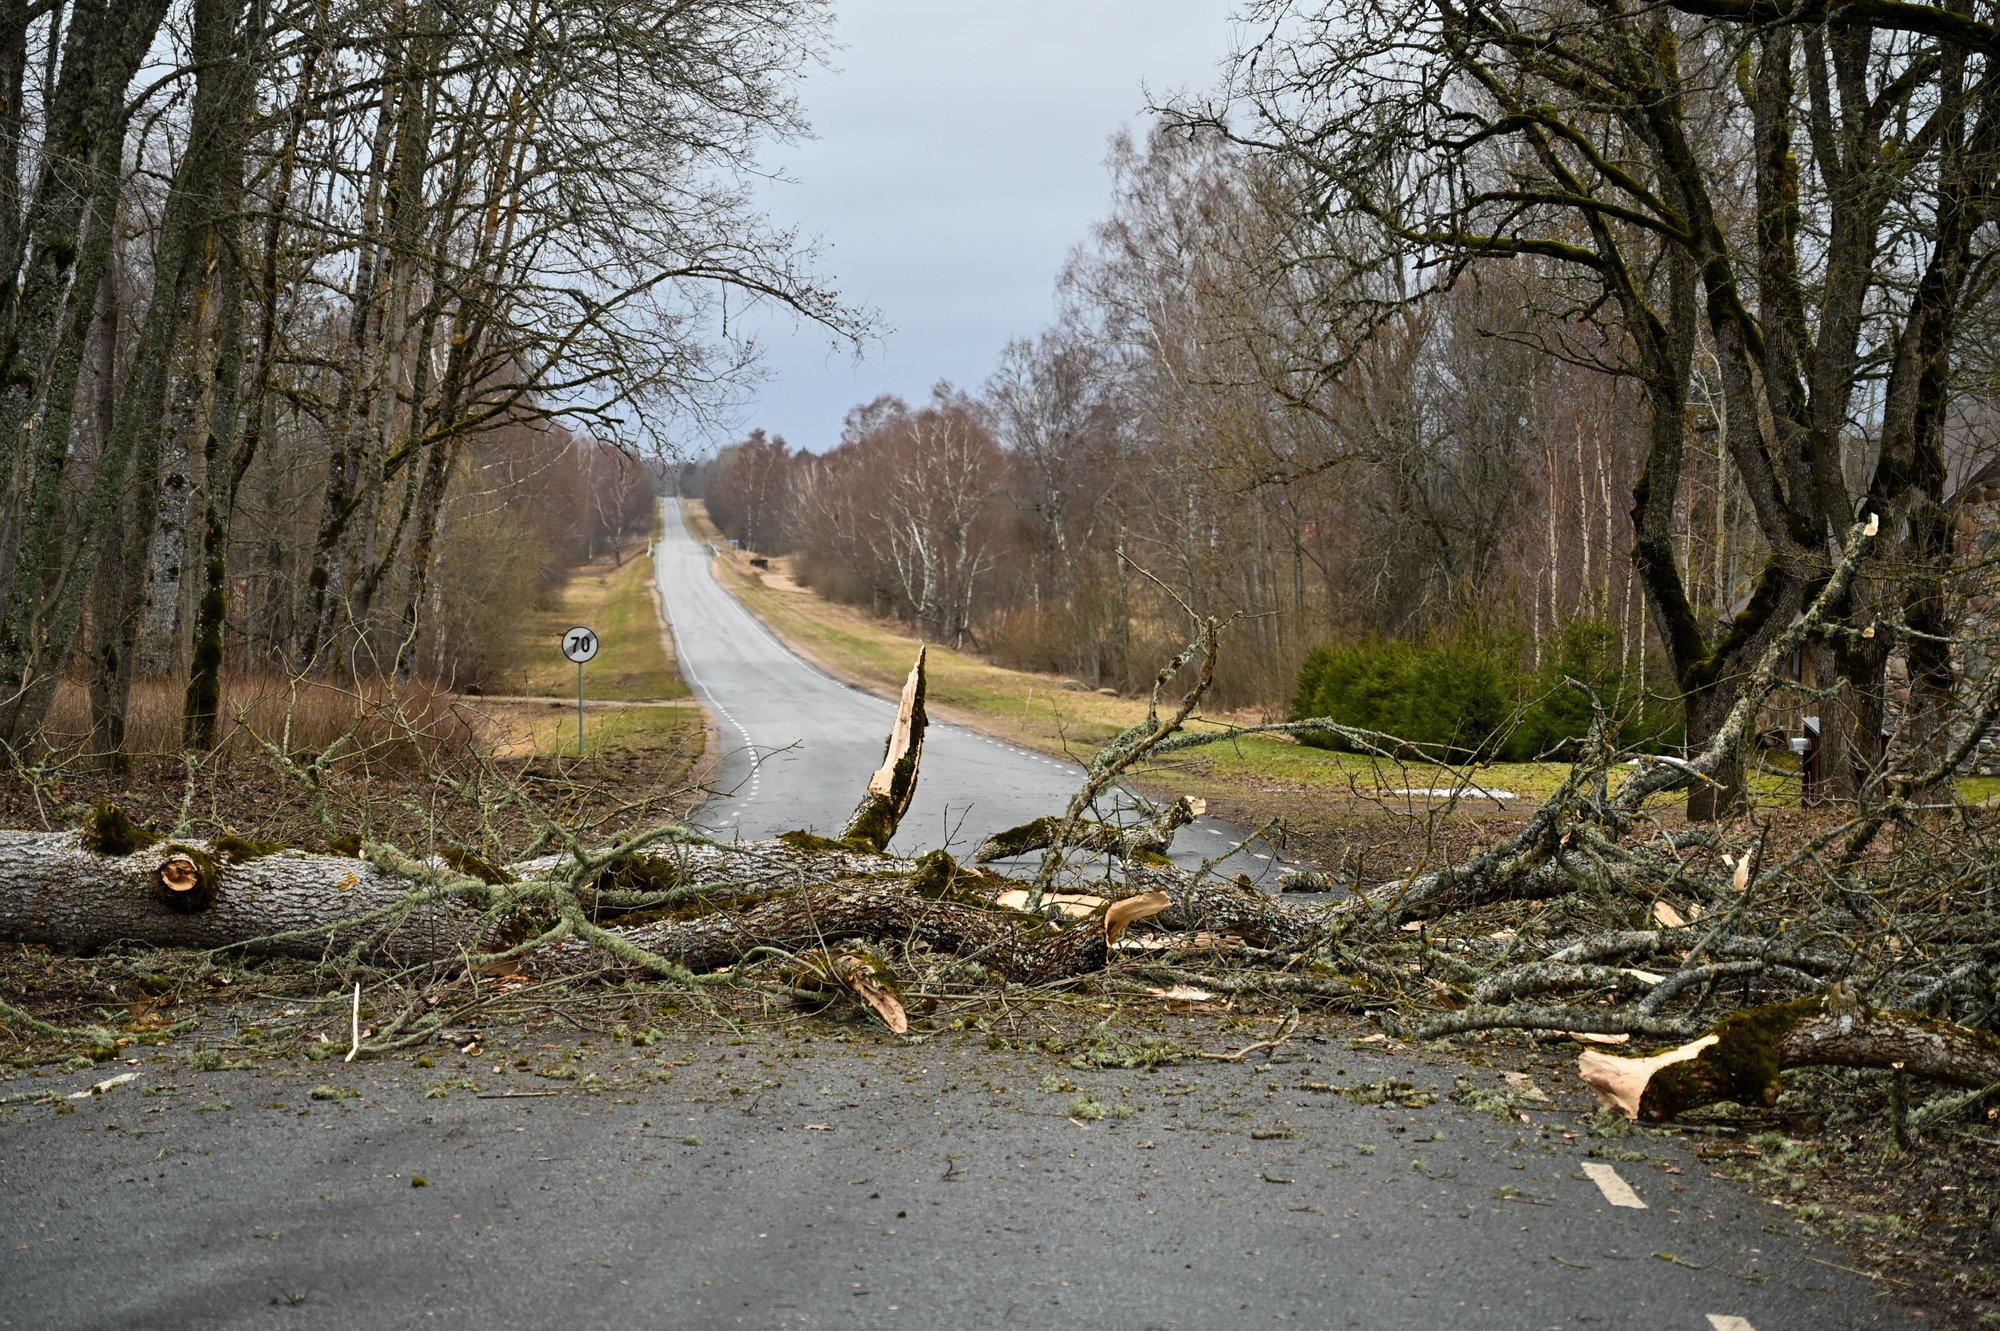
(579, 645)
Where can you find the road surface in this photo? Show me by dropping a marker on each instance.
(809, 1176)
(798, 745)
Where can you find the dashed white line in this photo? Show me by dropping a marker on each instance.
(1728, 1322)
(1615, 1189)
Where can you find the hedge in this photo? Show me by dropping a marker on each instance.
(1475, 697)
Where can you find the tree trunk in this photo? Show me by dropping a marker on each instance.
(423, 549)
(13, 126)
(323, 584)
(1935, 700)
(46, 317)
(222, 97)
(223, 470)
(1851, 713)
(104, 600)
(57, 889)
(1722, 794)
(236, 433)
(156, 646)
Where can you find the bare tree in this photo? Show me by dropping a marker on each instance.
(374, 233)
(1602, 144)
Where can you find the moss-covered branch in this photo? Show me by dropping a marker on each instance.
(1743, 1058)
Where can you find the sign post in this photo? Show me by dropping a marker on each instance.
(579, 645)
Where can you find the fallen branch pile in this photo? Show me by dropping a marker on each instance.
(1873, 944)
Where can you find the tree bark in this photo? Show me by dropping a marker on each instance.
(1722, 794)
(875, 819)
(222, 470)
(1742, 1058)
(223, 100)
(45, 316)
(1154, 836)
(57, 889)
(13, 126)
(236, 434)
(1851, 713)
(155, 647)
(36, 642)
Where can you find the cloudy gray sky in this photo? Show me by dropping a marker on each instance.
(959, 156)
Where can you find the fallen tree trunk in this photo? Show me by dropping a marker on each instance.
(56, 889)
(1014, 946)
(1742, 1059)
(1231, 906)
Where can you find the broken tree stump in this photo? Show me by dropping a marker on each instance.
(186, 879)
(875, 819)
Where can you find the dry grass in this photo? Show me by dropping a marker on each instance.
(371, 719)
(513, 730)
(617, 599)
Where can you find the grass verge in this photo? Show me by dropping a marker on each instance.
(635, 666)
(533, 729)
(615, 596)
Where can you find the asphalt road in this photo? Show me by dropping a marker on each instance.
(761, 1180)
(798, 745)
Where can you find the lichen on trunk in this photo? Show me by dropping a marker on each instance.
(1743, 1058)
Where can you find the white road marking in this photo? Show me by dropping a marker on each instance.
(1615, 1189)
(1726, 1322)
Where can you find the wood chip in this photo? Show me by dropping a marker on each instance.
(1183, 993)
(1076, 905)
(105, 1085)
(862, 981)
(1620, 1083)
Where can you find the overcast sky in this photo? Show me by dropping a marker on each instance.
(959, 155)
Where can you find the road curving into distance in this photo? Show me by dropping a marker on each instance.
(797, 745)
